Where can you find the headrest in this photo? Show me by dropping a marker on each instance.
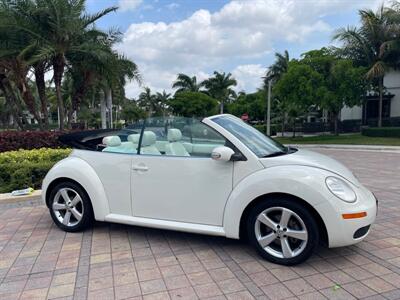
(112, 141)
(174, 135)
(149, 138)
(134, 138)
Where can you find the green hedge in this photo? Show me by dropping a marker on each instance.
(263, 128)
(381, 131)
(27, 168)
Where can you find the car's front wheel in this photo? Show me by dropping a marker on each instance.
(70, 207)
(283, 231)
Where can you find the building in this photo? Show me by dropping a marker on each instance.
(369, 111)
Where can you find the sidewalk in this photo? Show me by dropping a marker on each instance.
(379, 148)
(7, 198)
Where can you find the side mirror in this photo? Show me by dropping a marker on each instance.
(222, 153)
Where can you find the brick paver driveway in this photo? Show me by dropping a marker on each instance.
(37, 260)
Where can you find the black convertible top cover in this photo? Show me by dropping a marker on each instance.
(88, 140)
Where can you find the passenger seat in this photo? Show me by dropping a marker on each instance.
(113, 143)
(149, 144)
(134, 139)
(175, 147)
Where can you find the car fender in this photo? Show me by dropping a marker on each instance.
(77, 169)
(307, 183)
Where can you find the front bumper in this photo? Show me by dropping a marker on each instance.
(344, 232)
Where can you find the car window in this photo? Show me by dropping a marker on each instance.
(260, 144)
(123, 141)
(178, 136)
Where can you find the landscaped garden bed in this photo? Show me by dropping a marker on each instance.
(27, 168)
(345, 139)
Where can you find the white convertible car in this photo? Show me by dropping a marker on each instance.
(216, 176)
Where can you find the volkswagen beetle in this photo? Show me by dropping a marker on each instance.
(216, 176)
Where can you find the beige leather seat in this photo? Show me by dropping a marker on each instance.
(134, 139)
(149, 144)
(175, 147)
(113, 143)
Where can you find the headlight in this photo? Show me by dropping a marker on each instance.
(340, 189)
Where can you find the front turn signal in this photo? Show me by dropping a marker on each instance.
(355, 215)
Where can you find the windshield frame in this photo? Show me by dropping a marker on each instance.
(255, 141)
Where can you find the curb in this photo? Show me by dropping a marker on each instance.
(376, 148)
(8, 198)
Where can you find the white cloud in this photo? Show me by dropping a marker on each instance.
(241, 31)
(129, 5)
(172, 5)
(248, 77)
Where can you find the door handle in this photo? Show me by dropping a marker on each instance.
(140, 168)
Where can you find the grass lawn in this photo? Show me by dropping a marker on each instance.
(347, 139)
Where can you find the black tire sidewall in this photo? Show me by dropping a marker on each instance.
(87, 217)
(302, 212)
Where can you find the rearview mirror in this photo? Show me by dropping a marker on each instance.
(222, 153)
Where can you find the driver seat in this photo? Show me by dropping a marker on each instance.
(175, 147)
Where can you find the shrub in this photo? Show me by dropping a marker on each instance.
(27, 168)
(14, 140)
(382, 131)
(262, 128)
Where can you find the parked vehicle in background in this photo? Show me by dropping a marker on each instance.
(216, 176)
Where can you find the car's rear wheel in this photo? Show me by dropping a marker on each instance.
(283, 231)
(70, 207)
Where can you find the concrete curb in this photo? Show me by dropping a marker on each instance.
(8, 198)
(376, 148)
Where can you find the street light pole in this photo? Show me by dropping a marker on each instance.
(269, 108)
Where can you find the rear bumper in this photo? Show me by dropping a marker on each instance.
(344, 232)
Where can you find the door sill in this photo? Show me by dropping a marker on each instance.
(164, 224)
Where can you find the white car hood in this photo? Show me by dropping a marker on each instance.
(311, 159)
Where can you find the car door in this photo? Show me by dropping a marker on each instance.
(174, 178)
(112, 163)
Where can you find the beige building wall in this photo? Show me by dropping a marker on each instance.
(392, 84)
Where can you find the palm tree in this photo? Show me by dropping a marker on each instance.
(185, 83)
(63, 25)
(100, 67)
(274, 73)
(149, 102)
(15, 52)
(219, 87)
(367, 45)
(278, 68)
(51, 31)
(163, 99)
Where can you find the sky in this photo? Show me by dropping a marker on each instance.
(197, 37)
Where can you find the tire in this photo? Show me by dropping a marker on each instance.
(74, 213)
(282, 244)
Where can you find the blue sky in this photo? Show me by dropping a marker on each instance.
(196, 37)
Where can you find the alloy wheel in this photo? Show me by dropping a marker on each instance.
(281, 232)
(68, 207)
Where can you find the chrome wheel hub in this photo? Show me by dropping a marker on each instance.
(68, 207)
(281, 232)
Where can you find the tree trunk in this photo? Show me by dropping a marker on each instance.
(80, 92)
(28, 99)
(108, 94)
(58, 70)
(336, 128)
(41, 87)
(294, 127)
(103, 112)
(70, 116)
(20, 73)
(283, 123)
(222, 107)
(11, 100)
(380, 102)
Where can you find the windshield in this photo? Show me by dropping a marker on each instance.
(260, 144)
